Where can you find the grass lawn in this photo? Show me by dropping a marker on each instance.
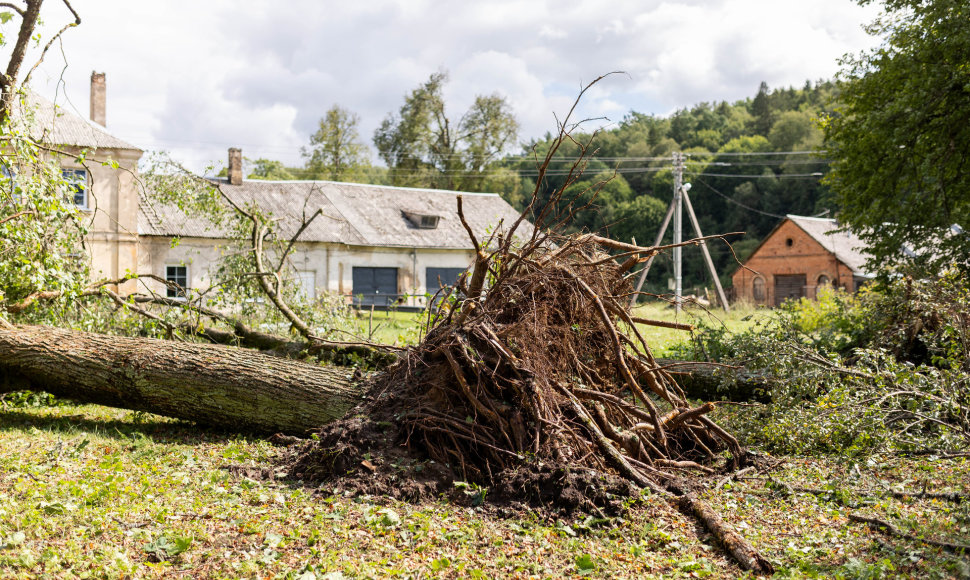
(384, 327)
(661, 339)
(87, 491)
(404, 328)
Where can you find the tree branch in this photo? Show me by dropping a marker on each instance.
(43, 53)
(9, 80)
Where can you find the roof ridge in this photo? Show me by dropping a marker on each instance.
(808, 217)
(356, 184)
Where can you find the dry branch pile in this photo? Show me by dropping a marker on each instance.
(546, 364)
(534, 359)
(536, 383)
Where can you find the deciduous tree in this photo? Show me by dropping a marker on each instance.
(336, 152)
(423, 147)
(41, 229)
(900, 140)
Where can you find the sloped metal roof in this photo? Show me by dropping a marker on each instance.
(56, 125)
(846, 246)
(353, 214)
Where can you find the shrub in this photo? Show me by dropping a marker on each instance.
(886, 368)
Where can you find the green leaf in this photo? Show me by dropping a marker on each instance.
(584, 564)
(440, 564)
(165, 547)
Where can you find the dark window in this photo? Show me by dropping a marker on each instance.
(77, 186)
(178, 275)
(375, 286)
(9, 181)
(421, 220)
(789, 242)
(823, 280)
(789, 286)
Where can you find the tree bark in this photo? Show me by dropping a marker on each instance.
(210, 384)
(713, 382)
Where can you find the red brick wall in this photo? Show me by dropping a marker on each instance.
(789, 250)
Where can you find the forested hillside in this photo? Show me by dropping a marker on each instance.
(749, 163)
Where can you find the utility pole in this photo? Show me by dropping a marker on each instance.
(675, 211)
(678, 230)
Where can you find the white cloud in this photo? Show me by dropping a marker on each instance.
(260, 74)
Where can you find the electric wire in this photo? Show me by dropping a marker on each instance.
(738, 203)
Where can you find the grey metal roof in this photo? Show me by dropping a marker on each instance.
(846, 246)
(352, 213)
(56, 125)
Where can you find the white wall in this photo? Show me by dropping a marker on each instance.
(332, 264)
(112, 212)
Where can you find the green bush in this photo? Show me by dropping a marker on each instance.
(851, 374)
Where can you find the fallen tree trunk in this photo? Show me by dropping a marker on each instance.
(714, 382)
(232, 387)
(210, 384)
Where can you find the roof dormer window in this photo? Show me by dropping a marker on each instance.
(423, 221)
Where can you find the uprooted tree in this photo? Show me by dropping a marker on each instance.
(533, 362)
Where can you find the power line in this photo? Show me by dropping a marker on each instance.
(772, 176)
(755, 153)
(773, 163)
(738, 203)
(187, 143)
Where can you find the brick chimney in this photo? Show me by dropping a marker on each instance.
(98, 96)
(235, 166)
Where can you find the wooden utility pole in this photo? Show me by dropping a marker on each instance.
(675, 210)
(678, 230)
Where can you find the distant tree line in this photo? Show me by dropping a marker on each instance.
(750, 162)
(885, 146)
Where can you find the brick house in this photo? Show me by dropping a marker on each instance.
(799, 256)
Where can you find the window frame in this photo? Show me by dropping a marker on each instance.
(428, 222)
(172, 292)
(76, 186)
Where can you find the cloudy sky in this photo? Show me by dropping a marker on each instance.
(196, 78)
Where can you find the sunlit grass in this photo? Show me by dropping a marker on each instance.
(740, 317)
(87, 491)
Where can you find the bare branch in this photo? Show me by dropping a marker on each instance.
(8, 81)
(13, 7)
(43, 53)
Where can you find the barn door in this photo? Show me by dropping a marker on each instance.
(437, 278)
(377, 286)
(789, 286)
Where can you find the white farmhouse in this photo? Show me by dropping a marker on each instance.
(377, 245)
(372, 244)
